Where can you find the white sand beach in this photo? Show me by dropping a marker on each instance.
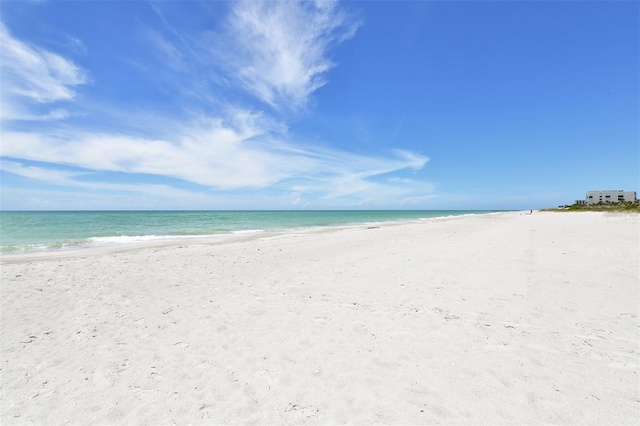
(493, 319)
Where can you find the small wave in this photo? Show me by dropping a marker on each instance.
(23, 248)
(124, 239)
(248, 231)
(10, 249)
(458, 215)
(128, 239)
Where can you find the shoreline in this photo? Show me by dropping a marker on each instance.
(157, 241)
(505, 318)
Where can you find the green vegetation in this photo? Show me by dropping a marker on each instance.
(608, 206)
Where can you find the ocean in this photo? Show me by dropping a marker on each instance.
(34, 231)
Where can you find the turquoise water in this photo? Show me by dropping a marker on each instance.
(31, 231)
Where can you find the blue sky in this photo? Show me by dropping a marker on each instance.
(317, 105)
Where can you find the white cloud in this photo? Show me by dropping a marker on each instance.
(31, 75)
(9, 111)
(278, 53)
(74, 179)
(278, 50)
(38, 173)
(223, 154)
(173, 57)
(75, 44)
(185, 43)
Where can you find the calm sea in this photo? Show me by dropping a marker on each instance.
(22, 232)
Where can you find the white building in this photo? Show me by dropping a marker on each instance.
(613, 196)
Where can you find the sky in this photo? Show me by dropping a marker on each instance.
(132, 105)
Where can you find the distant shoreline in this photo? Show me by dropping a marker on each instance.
(132, 244)
(34, 232)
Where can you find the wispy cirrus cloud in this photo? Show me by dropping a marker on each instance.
(185, 43)
(33, 76)
(76, 179)
(277, 51)
(172, 55)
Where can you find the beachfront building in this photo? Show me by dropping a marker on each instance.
(612, 196)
